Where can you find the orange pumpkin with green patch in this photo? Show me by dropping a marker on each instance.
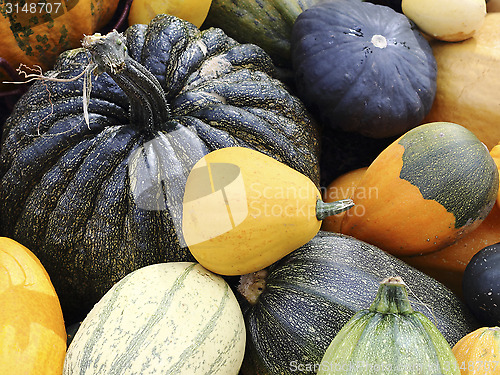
(35, 33)
(434, 184)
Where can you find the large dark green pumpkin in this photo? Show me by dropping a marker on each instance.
(308, 296)
(97, 201)
(362, 67)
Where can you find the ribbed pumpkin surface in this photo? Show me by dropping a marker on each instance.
(311, 293)
(32, 332)
(389, 337)
(169, 318)
(66, 189)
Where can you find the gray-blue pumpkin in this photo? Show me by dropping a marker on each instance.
(363, 67)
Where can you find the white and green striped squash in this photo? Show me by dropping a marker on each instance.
(167, 318)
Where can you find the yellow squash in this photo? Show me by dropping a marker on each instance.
(194, 11)
(244, 210)
(32, 332)
(468, 82)
(478, 352)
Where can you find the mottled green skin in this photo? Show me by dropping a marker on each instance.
(389, 338)
(23, 23)
(64, 186)
(313, 292)
(267, 23)
(451, 166)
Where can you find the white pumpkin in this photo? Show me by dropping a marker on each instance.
(448, 20)
(168, 318)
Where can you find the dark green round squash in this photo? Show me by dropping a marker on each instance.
(362, 67)
(96, 201)
(300, 303)
(266, 23)
(481, 285)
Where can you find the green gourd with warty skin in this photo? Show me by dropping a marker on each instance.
(389, 338)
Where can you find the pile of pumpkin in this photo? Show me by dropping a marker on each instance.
(163, 193)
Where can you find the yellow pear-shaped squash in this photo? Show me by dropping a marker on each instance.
(243, 210)
(32, 331)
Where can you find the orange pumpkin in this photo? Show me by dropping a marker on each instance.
(35, 33)
(478, 352)
(446, 265)
(341, 188)
(32, 332)
(432, 186)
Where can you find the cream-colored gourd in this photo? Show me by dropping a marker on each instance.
(166, 318)
(448, 20)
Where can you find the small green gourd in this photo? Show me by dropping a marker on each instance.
(389, 338)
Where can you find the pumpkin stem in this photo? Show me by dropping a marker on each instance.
(148, 103)
(392, 297)
(252, 285)
(325, 209)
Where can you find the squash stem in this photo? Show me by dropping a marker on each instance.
(392, 297)
(325, 209)
(252, 285)
(148, 103)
